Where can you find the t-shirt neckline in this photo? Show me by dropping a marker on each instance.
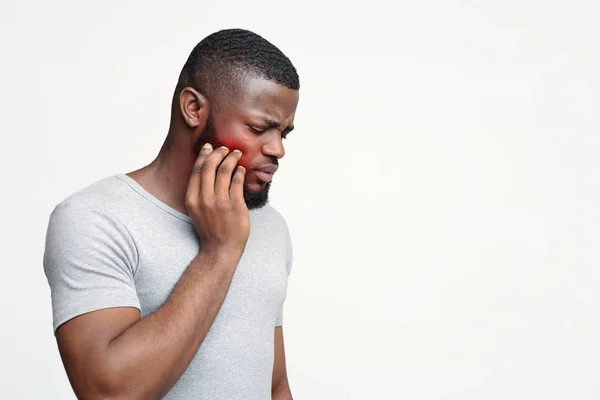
(139, 189)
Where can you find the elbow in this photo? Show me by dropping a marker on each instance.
(281, 392)
(105, 391)
(109, 385)
(102, 389)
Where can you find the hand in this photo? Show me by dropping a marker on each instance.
(215, 201)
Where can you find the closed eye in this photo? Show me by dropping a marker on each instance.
(256, 130)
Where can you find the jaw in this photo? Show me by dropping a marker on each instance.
(256, 195)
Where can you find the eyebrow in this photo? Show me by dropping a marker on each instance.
(271, 123)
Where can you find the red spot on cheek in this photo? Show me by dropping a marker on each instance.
(233, 145)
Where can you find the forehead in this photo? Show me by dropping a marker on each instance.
(262, 97)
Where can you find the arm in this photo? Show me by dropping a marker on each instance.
(112, 353)
(281, 388)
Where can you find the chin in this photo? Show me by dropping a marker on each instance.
(256, 198)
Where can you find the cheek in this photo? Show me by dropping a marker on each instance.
(233, 144)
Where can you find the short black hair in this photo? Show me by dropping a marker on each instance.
(224, 57)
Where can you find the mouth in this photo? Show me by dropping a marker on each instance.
(265, 173)
(263, 176)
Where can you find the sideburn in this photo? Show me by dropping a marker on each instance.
(208, 135)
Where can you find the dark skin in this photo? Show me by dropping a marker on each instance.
(111, 353)
(261, 105)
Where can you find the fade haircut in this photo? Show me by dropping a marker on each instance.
(220, 62)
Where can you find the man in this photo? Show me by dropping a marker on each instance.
(169, 281)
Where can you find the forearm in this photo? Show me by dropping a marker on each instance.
(150, 356)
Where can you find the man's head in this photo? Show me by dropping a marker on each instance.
(237, 89)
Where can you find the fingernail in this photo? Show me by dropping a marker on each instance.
(237, 151)
(207, 146)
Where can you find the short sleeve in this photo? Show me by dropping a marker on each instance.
(89, 261)
(289, 262)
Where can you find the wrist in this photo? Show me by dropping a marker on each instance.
(220, 255)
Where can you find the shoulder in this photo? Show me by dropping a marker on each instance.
(281, 234)
(268, 217)
(93, 213)
(88, 224)
(105, 198)
(103, 194)
(272, 226)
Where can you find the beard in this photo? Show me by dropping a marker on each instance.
(253, 198)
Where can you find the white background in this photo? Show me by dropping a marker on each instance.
(441, 187)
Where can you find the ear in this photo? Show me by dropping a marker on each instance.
(194, 108)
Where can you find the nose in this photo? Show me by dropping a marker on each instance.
(274, 147)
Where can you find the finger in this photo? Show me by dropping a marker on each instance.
(225, 173)
(209, 171)
(236, 190)
(193, 189)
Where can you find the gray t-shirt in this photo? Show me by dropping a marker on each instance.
(113, 244)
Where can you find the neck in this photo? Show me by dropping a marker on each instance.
(167, 177)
